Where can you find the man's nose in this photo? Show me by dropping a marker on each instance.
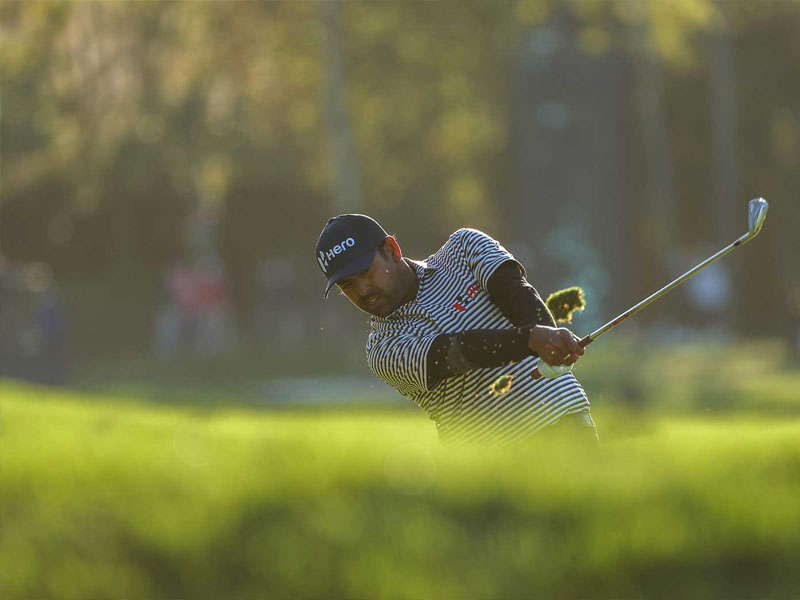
(364, 289)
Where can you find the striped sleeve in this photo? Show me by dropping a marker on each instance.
(400, 360)
(483, 254)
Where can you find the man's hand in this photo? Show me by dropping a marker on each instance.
(555, 345)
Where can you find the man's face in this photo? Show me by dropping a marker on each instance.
(377, 290)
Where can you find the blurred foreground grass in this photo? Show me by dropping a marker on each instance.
(116, 499)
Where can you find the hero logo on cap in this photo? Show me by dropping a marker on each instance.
(325, 257)
(347, 245)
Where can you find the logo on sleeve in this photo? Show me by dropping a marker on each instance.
(464, 299)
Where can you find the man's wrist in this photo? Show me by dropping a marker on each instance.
(539, 335)
(530, 331)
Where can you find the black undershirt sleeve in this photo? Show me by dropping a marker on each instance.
(520, 303)
(517, 299)
(455, 353)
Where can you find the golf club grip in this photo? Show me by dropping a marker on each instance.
(585, 341)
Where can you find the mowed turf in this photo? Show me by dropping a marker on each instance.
(109, 498)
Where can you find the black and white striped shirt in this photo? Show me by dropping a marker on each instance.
(452, 298)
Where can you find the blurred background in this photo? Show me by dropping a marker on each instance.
(184, 416)
(168, 166)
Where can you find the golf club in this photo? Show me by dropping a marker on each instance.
(756, 213)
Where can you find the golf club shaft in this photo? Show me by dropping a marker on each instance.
(634, 309)
(756, 213)
(585, 341)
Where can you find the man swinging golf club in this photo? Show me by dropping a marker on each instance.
(444, 329)
(458, 333)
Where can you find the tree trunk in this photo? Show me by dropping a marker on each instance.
(728, 209)
(346, 181)
(722, 106)
(660, 205)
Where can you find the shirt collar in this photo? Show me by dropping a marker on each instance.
(422, 268)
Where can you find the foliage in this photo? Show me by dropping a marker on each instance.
(121, 120)
(563, 303)
(104, 497)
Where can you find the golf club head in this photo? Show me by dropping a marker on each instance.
(756, 213)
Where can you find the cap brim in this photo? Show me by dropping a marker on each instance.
(357, 265)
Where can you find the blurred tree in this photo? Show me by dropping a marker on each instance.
(346, 180)
(571, 139)
(658, 227)
(122, 120)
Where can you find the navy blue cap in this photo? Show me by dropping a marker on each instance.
(347, 245)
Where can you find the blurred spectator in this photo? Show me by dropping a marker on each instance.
(33, 325)
(195, 314)
(793, 326)
(709, 292)
(169, 325)
(214, 332)
(280, 314)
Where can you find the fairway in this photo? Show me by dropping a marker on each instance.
(108, 498)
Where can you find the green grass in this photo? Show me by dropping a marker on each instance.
(104, 497)
(630, 371)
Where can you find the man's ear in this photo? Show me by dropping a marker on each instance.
(391, 248)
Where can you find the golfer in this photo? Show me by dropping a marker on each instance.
(458, 333)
